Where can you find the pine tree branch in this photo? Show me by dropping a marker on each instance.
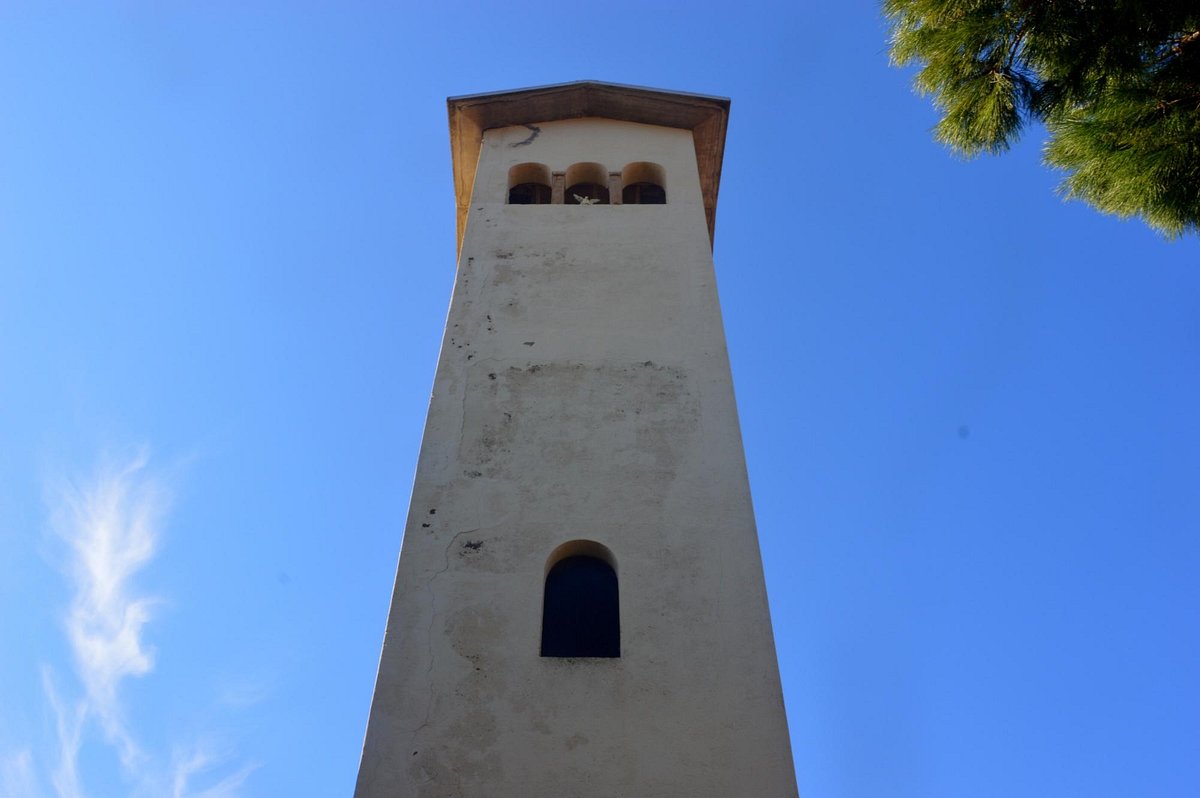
(1185, 40)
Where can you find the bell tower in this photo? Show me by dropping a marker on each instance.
(579, 608)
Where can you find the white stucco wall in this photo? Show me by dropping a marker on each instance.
(583, 391)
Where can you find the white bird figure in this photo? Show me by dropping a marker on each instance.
(584, 200)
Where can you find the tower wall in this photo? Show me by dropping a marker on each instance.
(583, 392)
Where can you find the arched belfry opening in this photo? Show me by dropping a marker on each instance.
(529, 184)
(581, 605)
(586, 182)
(644, 183)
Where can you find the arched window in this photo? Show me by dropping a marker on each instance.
(580, 609)
(643, 184)
(586, 181)
(529, 184)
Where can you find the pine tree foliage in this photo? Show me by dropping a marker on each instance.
(1116, 83)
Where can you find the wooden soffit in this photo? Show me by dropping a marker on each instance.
(472, 114)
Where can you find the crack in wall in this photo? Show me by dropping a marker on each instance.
(429, 629)
(536, 132)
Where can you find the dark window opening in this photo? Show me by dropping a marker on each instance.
(589, 191)
(529, 194)
(644, 194)
(580, 613)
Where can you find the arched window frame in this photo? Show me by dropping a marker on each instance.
(603, 639)
(643, 183)
(588, 180)
(529, 184)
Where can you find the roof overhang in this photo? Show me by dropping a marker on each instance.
(472, 114)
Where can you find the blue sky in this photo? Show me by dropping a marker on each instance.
(226, 252)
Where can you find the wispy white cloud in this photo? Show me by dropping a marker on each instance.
(243, 693)
(112, 526)
(196, 761)
(17, 777)
(68, 726)
(185, 766)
